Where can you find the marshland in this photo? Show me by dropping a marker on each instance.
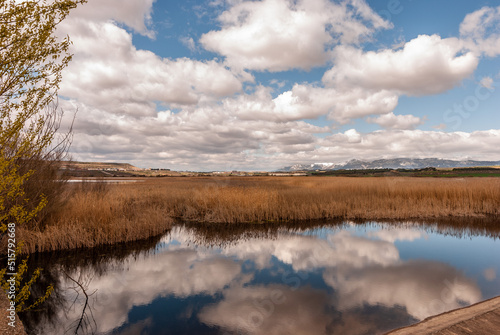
(239, 254)
(98, 213)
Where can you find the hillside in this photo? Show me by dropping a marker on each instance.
(102, 166)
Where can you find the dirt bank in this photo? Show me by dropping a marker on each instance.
(481, 318)
(5, 328)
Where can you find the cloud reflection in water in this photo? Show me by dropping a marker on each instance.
(341, 281)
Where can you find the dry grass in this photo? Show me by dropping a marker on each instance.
(99, 214)
(306, 198)
(134, 211)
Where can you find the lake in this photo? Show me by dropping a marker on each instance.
(322, 278)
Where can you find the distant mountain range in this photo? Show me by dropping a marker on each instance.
(396, 163)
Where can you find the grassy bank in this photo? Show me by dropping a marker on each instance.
(101, 214)
(97, 214)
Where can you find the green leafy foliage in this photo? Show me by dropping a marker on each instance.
(32, 58)
(31, 61)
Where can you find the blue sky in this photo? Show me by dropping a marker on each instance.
(257, 85)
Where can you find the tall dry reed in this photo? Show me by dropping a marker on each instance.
(139, 210)
(98, 214)
(306, 198)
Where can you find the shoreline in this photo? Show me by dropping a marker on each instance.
(5, 328)
(480, 318)
(34, 237)
(449, 225)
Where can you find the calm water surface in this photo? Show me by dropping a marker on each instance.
(329, 279)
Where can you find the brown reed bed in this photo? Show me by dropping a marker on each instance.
(97, 214)
(126, 212)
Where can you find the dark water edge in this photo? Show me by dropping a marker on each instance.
(217, 234)
(99, 261)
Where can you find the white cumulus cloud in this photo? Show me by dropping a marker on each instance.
(129, 81)
(481, 30)
(136, 106)
(425, 65)
(278, 35)
(135, 14)
(392, 121)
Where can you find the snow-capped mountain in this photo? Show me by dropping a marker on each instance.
(396, 163)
